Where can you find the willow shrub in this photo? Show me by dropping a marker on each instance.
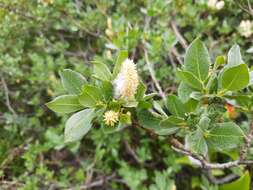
(197, 114)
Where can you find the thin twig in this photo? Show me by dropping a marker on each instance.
(131, 152)
(177, 55)
(7, 99)
(150, 66)
(248, 141)
(179, 36)
(177, 146)
(97, 183)
(152, 74)
(172, 60)
(222, 180)
(249, 10)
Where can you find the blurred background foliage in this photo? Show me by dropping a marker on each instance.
(39, 38)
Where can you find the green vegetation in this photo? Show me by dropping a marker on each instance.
(192, 93)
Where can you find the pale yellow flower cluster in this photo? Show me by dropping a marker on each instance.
(214, 4)
(109, 31)
(111, 117)
(126, 82)
(245, 28)
(46, 2)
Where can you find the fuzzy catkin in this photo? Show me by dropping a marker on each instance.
(111, 117)
(126, 82)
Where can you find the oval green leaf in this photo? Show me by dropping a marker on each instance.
(235, 78)
(90, 96)
(225, 136)
(101, 71)
(175, 106)
(65, 104)
(197, 60)
(78, 125)
(190, 79)
(72, 81)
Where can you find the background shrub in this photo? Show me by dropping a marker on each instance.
(39, 38)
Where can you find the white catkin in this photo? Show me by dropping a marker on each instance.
(126, 82)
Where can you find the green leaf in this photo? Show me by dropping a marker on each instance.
(197, 60)
(72, 81)
(78, 125)
(191, 105)
(65, 104)
(107, 89)
(220, 60)
(169, 125)
(243, 183)
(234, 56)
(251, 78)
(109, 130)
(122, 55)
(190, 79)
(130, 104)
(212, 84)
(149, 96)
(242, 100)
(172, 121)
(184, 92)
(225, 136)
(140, 91)
(147, 120)
(235, 78)
(159, 108)
(102, 71)
(125, 119)
(197, 143)
(204, 122)
(175, 106)
(196, 95)
(90, 96)
(166, 130)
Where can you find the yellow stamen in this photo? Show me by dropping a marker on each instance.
(111, 117)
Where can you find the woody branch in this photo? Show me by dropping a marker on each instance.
(178, 147)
